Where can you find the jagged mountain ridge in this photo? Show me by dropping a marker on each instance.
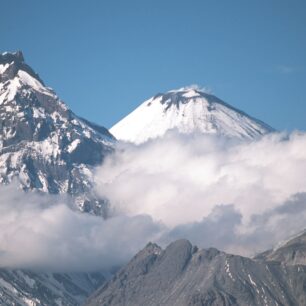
(43, 144)
(188, 110)
(183, 275)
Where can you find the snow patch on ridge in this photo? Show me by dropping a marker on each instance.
(28, 80)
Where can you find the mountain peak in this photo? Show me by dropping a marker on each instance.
(43, 144)
(8, 57)
(187, 110)
(184, 95)
(177, 96)
(13, 62)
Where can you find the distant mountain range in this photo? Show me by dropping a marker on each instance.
(48, 148)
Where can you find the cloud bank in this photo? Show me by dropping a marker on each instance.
(44, 233)
(216, 192)
(241, 197)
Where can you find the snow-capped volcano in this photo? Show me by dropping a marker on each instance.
(42, 142)
(188, 110)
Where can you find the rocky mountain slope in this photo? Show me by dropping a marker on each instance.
(43, 144)
(187, 110)
(290, 252)
(26, 288)
(184, 275)
(45, 147)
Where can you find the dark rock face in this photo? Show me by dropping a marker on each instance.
(43, 144)
(183, 275)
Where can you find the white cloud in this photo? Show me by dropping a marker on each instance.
(223, 228)
(241, 197)
(181, 180)
(205, 89)
(43, 233)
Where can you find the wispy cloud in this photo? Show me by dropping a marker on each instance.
(203, 188)
(43, 233)
(206, 89)
(286, 69)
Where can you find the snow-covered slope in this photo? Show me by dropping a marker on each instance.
(187, 110)
(42, 143)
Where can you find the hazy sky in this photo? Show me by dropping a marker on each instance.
(103, 58)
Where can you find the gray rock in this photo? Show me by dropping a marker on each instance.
(183, 275)
(291, 252)
(20, 287)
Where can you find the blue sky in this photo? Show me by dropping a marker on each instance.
(105, 57)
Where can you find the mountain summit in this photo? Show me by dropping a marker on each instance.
(43, 144)
(12, 63)
(187, 110)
